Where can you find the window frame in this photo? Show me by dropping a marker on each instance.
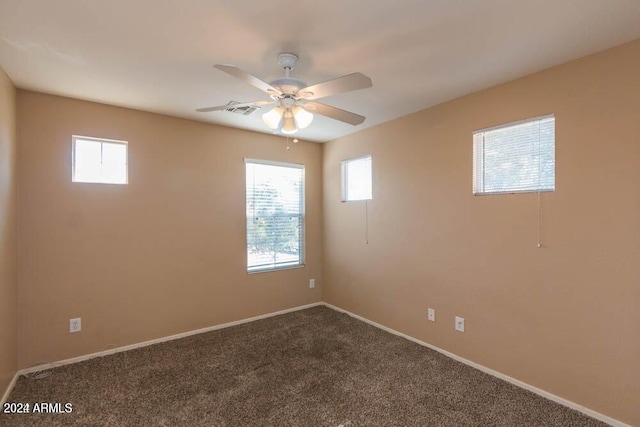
(75, 138)
(344, 179)
(477, 192)
(303, 217)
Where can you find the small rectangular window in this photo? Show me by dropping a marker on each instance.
(356, 179)
(275, 215)
(515, 158)
(99, 160)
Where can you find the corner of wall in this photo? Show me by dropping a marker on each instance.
(8, 236)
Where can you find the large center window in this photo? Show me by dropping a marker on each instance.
(275, 215)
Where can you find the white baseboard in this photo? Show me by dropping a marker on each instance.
(540, 392)
(12, 384)
(154, 341)
(533, 389)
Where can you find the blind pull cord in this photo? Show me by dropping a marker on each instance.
(366, 222)
(538, 231)
(539, 184)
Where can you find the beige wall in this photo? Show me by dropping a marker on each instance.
(165, 254)
(564, 318)
(162, 255)
(8, 236)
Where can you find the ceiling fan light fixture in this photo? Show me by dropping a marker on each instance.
(302, 116)
(288, 123)
(291, 97)
(273, 117)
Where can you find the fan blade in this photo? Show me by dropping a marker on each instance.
(342, 84)
(248, 78)
(334, 113)
(235, 105)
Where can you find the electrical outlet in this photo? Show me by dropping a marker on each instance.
(75, 325)
(312, 283)
(431, 314)
(459, 324)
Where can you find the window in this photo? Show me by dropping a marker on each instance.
(99, 160)
(275, 215)
(356, 179)
(515, 158)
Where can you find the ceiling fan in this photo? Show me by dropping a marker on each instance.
(294, 101)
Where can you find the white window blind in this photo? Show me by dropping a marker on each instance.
(275, 215)
(517, 157)
(356, 179)
(99, 160)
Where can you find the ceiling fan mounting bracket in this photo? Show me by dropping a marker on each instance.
(287, 85)
(287, 60)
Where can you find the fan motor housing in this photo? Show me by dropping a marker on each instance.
(288, 85)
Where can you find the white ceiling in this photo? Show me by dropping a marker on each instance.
(157, 55)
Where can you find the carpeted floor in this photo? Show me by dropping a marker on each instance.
(315, 367)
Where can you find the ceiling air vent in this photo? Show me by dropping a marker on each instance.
(245, 110)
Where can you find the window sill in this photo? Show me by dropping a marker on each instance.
(267, 270)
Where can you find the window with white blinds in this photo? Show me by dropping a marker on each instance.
(275, 215)
(515, 158)
(356, 179)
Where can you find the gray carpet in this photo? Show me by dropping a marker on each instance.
(315, 367)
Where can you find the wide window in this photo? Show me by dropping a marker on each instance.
(275, 215)
(514, 158)
(356, 179)
(99, 160)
